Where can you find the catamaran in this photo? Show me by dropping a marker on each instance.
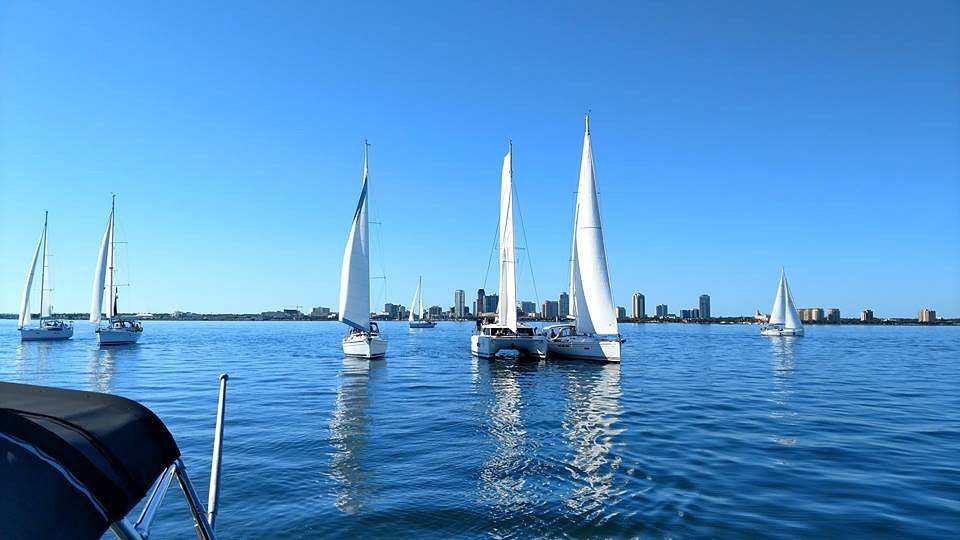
(119, 330)
(504, 334)
(416, 307)
(594, 333)
(363, 339)
(784, 319)
(49, 328)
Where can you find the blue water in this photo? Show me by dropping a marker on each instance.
(703, 430)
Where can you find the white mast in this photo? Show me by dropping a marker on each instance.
(24, 318)
(507, 301)
(590, 279)
(355, 272)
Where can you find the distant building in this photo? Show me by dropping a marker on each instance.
(621, 312)
(833, 315)
(704, 306)
(866, 315)
(459, 303)
(320, 312)
(479, 303)
(436, 312)
(661, 310)
(528, 308)
(693, 313)
(551, 310)
(639, 306)
(490, 303)
(811, 314)
(927, 315)
(563, 304)
(390, 310)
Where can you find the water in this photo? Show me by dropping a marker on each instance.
(704, 430)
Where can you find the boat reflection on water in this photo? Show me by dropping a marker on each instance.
(782, 349)
(33, 349)
(349, 433)
(102, 369)
(591, 424)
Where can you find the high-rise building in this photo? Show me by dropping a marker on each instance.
(435, 312)
(621, 313)
(528, 308)
(866, 315)
(551, 310)
(563, 305)
(661, 310)
(927, 315)
(811, 314)
(833, 315)
(459, 303)
(704, 306)
(479, 304)
(390, 310)
(639, 306)
(693, 313)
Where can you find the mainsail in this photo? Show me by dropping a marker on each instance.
(416, 299)
(791, 318)
(355, 272)
(24, 318)
(592, 298)
(778, 312)
(507, 303)
(103, 274)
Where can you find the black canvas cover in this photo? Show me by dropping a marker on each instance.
(73, 462)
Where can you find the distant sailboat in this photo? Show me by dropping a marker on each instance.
(416, 307)
(119, 330)
(594, 333)
(505, 333)
(784, 319)
(363, 339)
(49, 328)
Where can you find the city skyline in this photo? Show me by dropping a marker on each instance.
(236, 161)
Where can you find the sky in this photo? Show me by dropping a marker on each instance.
(731, 139)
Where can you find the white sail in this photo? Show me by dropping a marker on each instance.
(413, 303)
(355, 272)
(106, 246)
(24, 318)
(590, 284)
(791, 317)
(110, 285)
(507, 303)
(778, 312)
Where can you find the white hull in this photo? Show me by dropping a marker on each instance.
(115, 336)
(585, 347)
(767, 331)
(364, 345)
(422, 324)
(46, 333)
(528, 346)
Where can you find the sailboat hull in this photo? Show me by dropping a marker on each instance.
(422, 324)
(46, 333)
(768, 331)
(117, 336)
(364, 345)
(528, 346)
(585, 348)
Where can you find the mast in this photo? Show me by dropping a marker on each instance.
(420, 296)
(111, 262)
(507, 302)
(43, 268)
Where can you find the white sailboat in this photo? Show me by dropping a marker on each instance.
(49, 328)
(784, 319)
(594, 333)
(363, 339)
(416, 307)
(118, 330)
(505, 333)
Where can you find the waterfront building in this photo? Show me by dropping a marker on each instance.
(563, 304)
(490, 302)
(459, 303)
(639, 306)
(661, 310)
(528, 308)
(320, 312)
(833, 315)
(551, 310)
(704, 306)
(391, 310)
(693, 313)
(811, 314)
(621, 312)
(866, 315)
(479, 304)
(436, 312)
(927, 316)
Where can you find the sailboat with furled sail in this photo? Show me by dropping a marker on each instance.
(49, 328)
(505, 333)
(416, 308)
(784, 319)
(119, 330)
(594, 333)
(363, 339)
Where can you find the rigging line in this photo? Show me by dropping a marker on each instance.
(493, 249)
(526, 244)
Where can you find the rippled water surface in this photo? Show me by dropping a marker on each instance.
(703, 430)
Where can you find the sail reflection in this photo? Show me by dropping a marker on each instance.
(591, 425)
(26, 350)
(782, 349)
(348, 433)
(101, 370)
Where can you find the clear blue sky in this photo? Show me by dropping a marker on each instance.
(731, 138)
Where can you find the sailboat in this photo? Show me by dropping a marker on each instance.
(784, 319)
(594, 333)
(363, 339)
(118, 330)
(504, 333)
(49, 328)
(416, 306)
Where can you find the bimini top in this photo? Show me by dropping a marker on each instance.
(72, 462)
